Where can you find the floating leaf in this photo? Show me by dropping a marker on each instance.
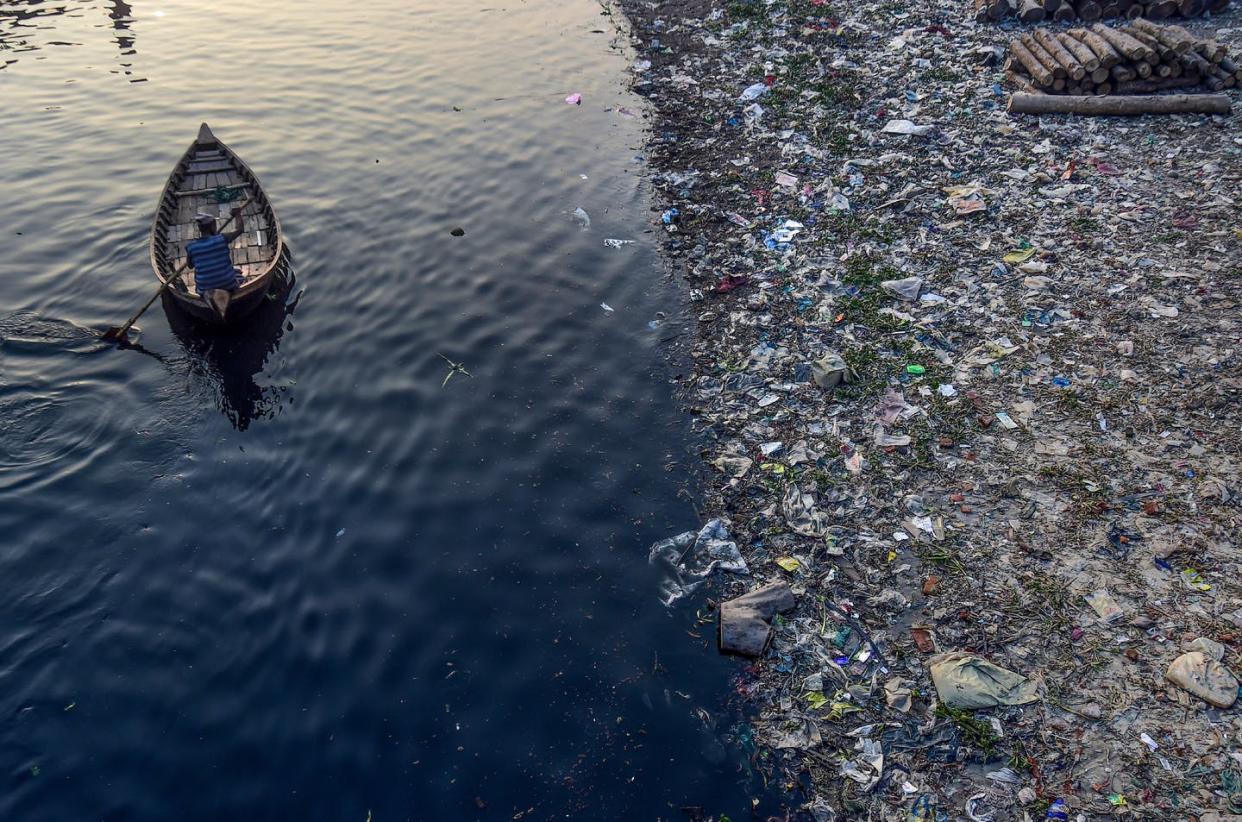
(840, 709)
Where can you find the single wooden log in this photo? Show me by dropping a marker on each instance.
(1181, 33)
(1149, 86)
(1123, 42)
(1194, 61)
(1123, 73)
(1104, 88)
(1135, 11)
(1225, 77)
(1058, 84)
(1022, 82)
(1166, 34)
(1176, 69)
(1041, 54)
(1161, 9)
(1119, 105)
(1088, 10)
(1229, 65)
(1190, 8)
(1038, 72)
(1132, 47)
(1065, 13)
(1123, 7)
(1060, 53)
(1143, 70)
(1161, 50)
(1107, 54)
(1079, 49)
(1100, 75)
(1051, 6)
(1211, 50)
(1030, 11)
(1165, 70)
(990, 10)
(1110, 9)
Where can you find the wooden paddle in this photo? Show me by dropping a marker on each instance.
(121, 334)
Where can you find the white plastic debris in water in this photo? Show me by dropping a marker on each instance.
(615, 243)
(689, 558)
(907, 127)
(753, 92)
(583, 218)
(606, 307)
(868, 766)
(787, 231)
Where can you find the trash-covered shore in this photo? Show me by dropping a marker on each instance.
(968, 385)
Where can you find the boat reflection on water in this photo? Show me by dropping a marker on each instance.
(229, 358)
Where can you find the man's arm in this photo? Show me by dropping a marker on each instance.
(241, 228)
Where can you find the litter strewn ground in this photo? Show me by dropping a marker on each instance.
(969, 383)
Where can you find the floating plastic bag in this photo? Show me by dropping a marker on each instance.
(690, 558)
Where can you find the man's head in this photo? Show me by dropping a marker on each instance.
(206, 224)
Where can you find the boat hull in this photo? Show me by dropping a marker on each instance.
(210, 178)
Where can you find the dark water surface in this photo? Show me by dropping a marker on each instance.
(282, 574)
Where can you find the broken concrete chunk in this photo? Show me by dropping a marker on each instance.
(830, 371)
(1204, 677)
(745, 622)
(967, 681)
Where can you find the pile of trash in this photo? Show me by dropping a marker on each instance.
(968, 388)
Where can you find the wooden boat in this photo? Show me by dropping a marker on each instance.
(209, 178)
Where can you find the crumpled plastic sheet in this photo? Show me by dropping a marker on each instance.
(967, 681)
(690, 558)
(802, 515)
(868, 766)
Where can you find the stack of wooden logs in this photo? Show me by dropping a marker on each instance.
(1141, 58)
(1088, 11)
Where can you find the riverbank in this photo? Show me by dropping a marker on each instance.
(1037, 326)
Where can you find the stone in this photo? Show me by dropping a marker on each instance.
(830, 371)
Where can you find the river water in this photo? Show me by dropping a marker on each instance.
(283, 573)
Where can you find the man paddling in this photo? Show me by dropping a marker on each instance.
(214, 275)
(209, 255)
